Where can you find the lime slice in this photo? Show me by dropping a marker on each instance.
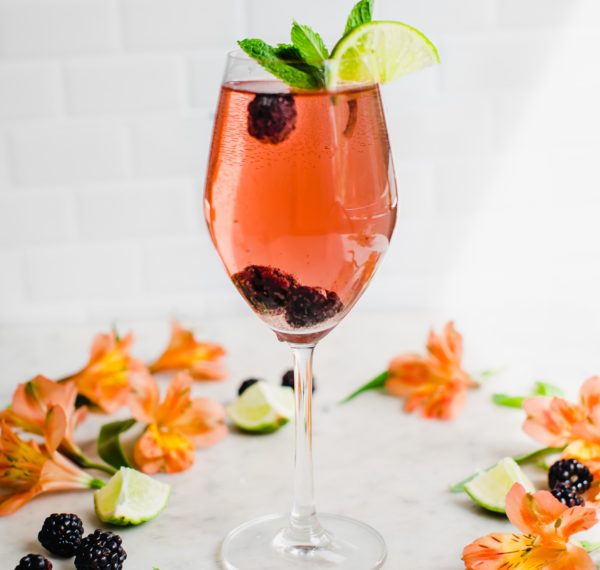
(262, 408)
(379, 52)
(489, 488)
(130, 498)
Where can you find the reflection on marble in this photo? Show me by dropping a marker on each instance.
(373, 462)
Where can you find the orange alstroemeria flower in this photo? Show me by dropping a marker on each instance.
(105, 380)
(204, 361)
(558, 423)
(436, 383)
(33, 400)
(30, 469)
(547, 526)
(176, 426)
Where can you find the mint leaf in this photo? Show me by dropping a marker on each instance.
(288, 53)
(361, 14)
(292, 56)
(309, 44)
(266, 56)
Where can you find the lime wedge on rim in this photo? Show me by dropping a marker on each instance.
(379, 52)
(130, 498)
(262, 408)
(489, 488)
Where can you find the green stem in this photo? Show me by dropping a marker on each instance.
(533, 457)
(508, 401)
(540, 389)
(375, 384)
(487, 374)
(97, 484)
(537, 455)
(87, 463)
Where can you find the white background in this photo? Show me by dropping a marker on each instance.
(106, 109)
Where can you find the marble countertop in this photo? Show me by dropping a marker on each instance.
(373, 462)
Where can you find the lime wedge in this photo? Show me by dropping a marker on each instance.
(262, 408)
(379, 52)
(130, 498)
(489, 488)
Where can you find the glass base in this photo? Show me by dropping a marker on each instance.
(262, 544)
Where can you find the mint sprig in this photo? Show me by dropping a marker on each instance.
(291, 55)
(301, 64)
(309, 44)
(267, 56)
(361, 14)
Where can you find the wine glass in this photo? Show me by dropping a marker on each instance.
(300, 202)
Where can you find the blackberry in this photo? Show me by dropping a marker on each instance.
(61, 534)
(246, 384)
(272, 117)
(570, 473)
(34, 562)
(568, 496)
(102, 550)
(266, 288)
(288, 380)
(309, 306)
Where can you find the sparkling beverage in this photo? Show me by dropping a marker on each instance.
(300, 199)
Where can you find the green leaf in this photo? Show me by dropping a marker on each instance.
(508, 401)
(485, 375)
(375, 384)
(309, 44)
(545, 389)
(534, 456)
(531, 457)
(540, 389)
(290, 55)
(266, 56)
(360, 14)
(109, 444)
(589, 546)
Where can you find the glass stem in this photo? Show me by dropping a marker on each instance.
(304, 525)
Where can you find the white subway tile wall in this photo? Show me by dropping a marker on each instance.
(106, 110)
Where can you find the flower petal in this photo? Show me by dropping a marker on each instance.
(503, 551)
(32, 400)
(163, 450)
(535, 513)
(574, 558)
(210, 369)
(12, 503)
(405, 374)
(551, 420)
(177, 399)
(184, 352)
(55, 428)
(144, 397)
(105, 379)
(447, 347)
(589, 394)
(203, 422)
(574, 520)
(446, 402)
